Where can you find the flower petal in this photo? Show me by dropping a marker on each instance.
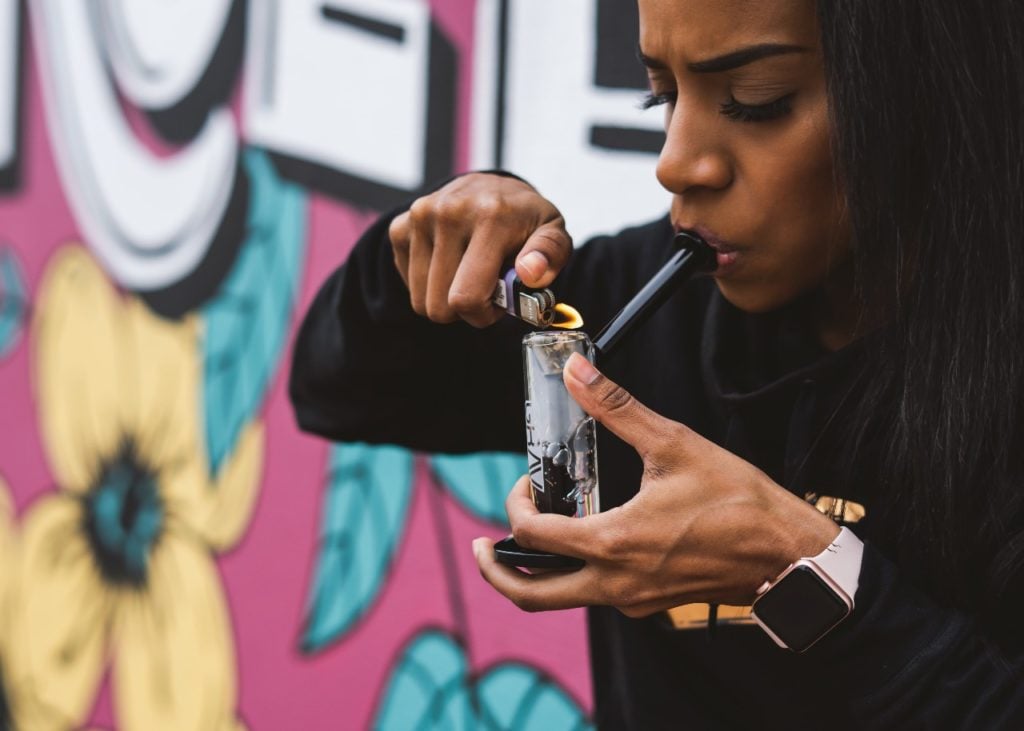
(6, 534)
(79, 366)
(58, 621)
(220, 511)
(174, 664)
(7, 558)
(165, 401)
(167, 432)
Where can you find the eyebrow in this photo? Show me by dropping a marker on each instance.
(728, 61)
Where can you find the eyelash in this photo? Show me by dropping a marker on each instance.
(733, 109)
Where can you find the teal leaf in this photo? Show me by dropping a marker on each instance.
(481, 482)
(369, 489)
(431, 687)
(247, 322)
(428, 688)
(13, 300)
(518, 697)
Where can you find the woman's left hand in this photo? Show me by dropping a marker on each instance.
(706, 526)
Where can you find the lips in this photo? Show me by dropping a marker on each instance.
(726, 253)
(711, 238)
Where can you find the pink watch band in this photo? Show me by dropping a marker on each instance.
(841, 560)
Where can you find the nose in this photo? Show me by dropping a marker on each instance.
(694, 155)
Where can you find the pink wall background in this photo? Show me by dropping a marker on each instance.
(267, 577)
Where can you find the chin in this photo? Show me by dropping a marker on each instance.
(754, 299)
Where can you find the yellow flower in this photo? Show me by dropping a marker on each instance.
(7, 566)
(117, 565)
(6, 554)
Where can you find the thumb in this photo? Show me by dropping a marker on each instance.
(650, 434)
(544, 254)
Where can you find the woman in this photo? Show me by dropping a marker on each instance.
(858, 167)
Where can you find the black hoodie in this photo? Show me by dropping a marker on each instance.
(367, 369)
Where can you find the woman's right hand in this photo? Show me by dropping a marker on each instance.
(450, 245)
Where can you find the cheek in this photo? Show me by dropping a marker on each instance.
(805, 189)
(808, 191)
(813, 230)
(804, 227)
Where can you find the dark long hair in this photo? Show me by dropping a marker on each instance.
(927, 100)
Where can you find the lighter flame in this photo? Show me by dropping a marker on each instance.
(567, 318)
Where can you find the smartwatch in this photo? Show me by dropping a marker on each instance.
(811, 597)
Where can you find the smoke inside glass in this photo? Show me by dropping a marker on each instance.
(560, 438)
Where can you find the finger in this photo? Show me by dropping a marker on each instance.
(520, 500)
(420, 252)
(473, 286)
(398, 232)
(616, 408)
(544, 254)
(447, 252)
(533, 592)
(576, 537)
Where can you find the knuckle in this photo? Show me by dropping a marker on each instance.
(523, 535)
(422, 210)
(449, 209)
(465, 302)
(615, 399)
(438, 311)
(397, 231)
(490, 205)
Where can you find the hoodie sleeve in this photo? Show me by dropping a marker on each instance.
(907, 662)
(366, 367)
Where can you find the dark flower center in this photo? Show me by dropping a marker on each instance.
(124, 516)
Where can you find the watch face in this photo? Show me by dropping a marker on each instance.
(800, 608)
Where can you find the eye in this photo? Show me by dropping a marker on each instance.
(656, 100)
(758, 112)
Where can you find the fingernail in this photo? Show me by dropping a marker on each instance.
(476, 547)
(535, 264)
(581, 369)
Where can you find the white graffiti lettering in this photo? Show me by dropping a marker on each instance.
(159, 50)
(8, 81)
(149, 219)
(342, 84)
(543, 115)
(360, 88)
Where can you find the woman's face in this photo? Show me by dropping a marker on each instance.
(747, 156)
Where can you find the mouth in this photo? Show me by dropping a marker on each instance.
(726, 252)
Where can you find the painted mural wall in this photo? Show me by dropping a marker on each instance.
(176, 180)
